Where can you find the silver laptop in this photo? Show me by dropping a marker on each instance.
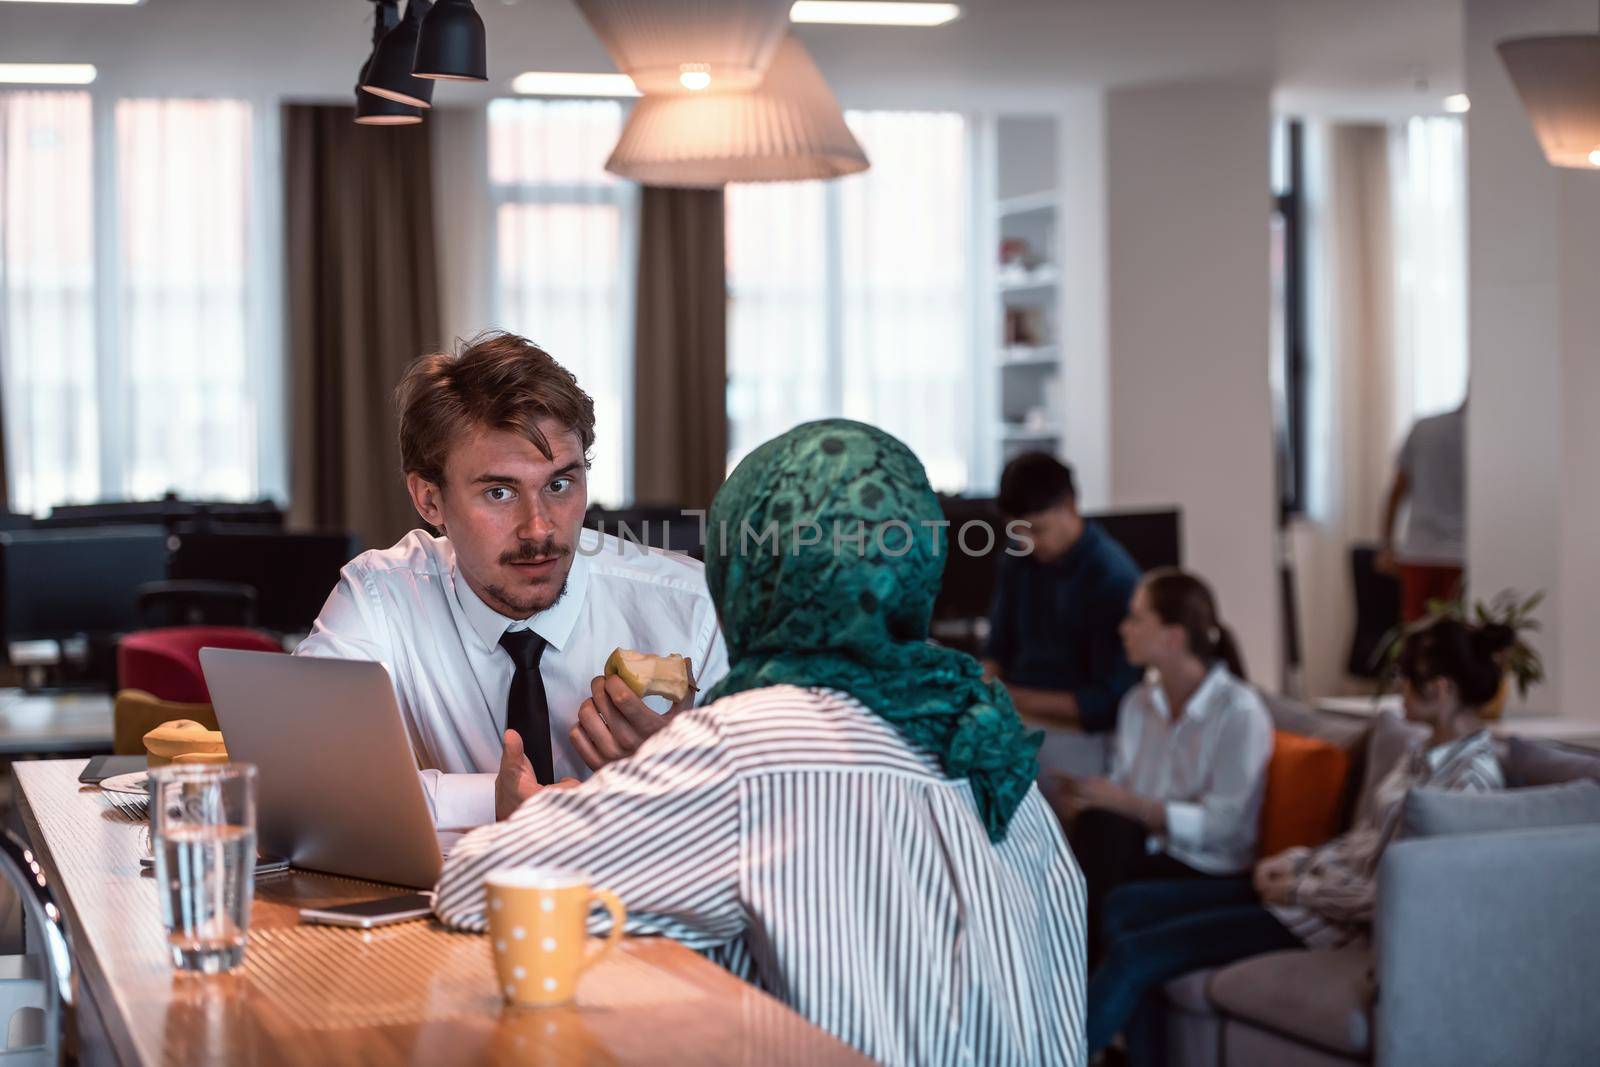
(338, 789)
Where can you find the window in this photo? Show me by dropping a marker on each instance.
(47, 299)
(564, 254)
(1287, 374)
(851, 298)
(1428, 190)
(126, 302)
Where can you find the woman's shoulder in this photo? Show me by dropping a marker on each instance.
(789, 723)
(1238, 697)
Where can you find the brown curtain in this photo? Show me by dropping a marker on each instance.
(363, 303)
(680, 427)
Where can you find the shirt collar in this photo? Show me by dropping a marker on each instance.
(554, 624)
(1199, 704)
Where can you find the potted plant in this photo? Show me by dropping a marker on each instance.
(1520, 662)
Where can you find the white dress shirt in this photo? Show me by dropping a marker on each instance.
(409, 608)
(1209, 766)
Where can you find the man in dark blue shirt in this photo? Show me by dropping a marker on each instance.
(1053, 630)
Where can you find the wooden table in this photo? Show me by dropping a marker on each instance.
(414, 993)
(33, 723)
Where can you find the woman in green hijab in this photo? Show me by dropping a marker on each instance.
(850, 819)
(843, 598)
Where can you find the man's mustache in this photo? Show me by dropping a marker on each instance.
(529, 551)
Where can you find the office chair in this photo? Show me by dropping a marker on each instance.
(188, 602)
(36, 994)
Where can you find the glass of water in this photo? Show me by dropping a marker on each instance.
(203, 829)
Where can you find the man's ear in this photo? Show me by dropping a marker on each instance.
(427, 498)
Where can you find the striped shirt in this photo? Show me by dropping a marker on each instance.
(1335, 889)
(796, 838)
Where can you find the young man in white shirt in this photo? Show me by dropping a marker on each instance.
(496, 633)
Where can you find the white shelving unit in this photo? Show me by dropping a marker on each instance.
(1024, 352)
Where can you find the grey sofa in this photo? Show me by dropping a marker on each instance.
(1484, 949)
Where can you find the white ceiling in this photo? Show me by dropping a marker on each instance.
(1329, 56)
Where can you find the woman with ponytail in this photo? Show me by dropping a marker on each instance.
(1302, 898)
(1189, 760)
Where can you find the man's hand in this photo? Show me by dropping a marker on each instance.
(1070, 797)
(1045, 707)
(613, 722)
(516, 781)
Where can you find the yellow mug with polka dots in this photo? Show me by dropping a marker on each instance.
(538, 930)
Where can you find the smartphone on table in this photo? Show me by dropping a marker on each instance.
(370, 913)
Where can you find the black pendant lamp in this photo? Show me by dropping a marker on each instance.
(373, 110)
(389, 75)
(451, 43)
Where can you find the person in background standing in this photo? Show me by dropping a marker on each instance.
(1430, 478)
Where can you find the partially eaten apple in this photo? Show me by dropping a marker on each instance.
(652, 676)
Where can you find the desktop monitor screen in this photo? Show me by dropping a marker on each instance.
(292, 573)
(59, 584)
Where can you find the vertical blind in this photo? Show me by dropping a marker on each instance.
(130, 280)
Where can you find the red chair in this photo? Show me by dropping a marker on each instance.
(166, 662)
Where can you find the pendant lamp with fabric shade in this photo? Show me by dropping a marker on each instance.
(450, 43)
(1558, 79)
(389, 74)
(789, 129)
(678, 46)
(373, 110)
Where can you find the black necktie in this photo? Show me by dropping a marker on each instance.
(527, 711)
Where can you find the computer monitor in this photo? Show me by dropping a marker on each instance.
(292, 573)
(58, 585)
(1153, 538)
(170, 512)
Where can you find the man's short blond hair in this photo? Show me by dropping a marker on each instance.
(496, 381)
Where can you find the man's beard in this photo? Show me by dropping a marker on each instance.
(531, 603)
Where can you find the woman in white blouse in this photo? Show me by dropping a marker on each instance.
(1190, 758)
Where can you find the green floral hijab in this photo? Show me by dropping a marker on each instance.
(824, 552)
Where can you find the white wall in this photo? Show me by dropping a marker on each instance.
(1187, 183)
(1533, 509)
(1085, 394)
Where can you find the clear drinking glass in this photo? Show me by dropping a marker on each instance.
(203, 829)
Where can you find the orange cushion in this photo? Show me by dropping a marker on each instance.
(1305, 782)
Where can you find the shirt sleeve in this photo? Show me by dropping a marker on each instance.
(1225, 816)
(659, 829)
(1001, 645)
(1408, 454)
(1340, 879)
(1110, 674)
(459, 801)
(347, 629)
(710, 655)
(1130, 724)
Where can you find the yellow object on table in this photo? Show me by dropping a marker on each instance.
(184, 741)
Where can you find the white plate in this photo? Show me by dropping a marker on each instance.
(135, 784)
